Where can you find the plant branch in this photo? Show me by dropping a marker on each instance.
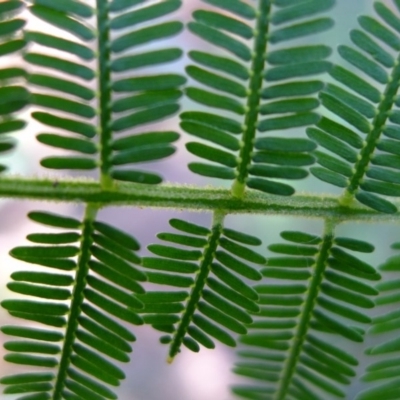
(197, 290)
(104, 91)
(76, 302)
(307, 311)
(187, 197)
(253, 102)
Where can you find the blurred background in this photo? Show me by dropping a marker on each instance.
(206, 375)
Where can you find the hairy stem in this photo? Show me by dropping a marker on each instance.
(254, 97)
(373, 136)
(188, 198)
(76, 301)
(306, 313)
(104, 92)
(196, 293)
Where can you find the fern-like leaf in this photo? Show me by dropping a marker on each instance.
(264, 91)
(91, 267)
(366, 166)
(289, 350)
(219, 299)
(153, 98)
(384, 374)
(13, 97)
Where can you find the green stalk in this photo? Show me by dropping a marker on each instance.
(254, 97)
(373, 136)
(104, 78)
(196, 293)
(289, 368)
(76, 301)
(188, 198)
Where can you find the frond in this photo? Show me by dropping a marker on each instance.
(13, 96)
(365, 133)
(88, 282)
(384, 373)
(293, 347)
(261, 90)
(124, 103)
(214, 267)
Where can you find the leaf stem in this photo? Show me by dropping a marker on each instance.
(187, 197)
(196, 293)
(104, 92)
(254, 97)
(77, 299)
(373, 136)
(307, 311)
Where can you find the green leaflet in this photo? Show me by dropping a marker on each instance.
(8, 6)
(61, 20)
(216, 81)
(302, 29)
(75, 7)
(223, 22)
(349, 115)
(223, 64)
(58, 64)
(329, 176)
(212, 120)
(146, 100)
(65, 123)
(220, 39)
(378, 30)
(214, 100)
(144, 14)
(292, 89)
(158, 82)
(354, 82)
(62, 85)
(79, 145)
(359, 104)
(363, 63)
(60, 44)
(235, 6)
(127, 63)
(364, 42)
(68, 163)
(146, 116)
(301, 10)
(145, 35)
(299, 54)
(210, 134)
